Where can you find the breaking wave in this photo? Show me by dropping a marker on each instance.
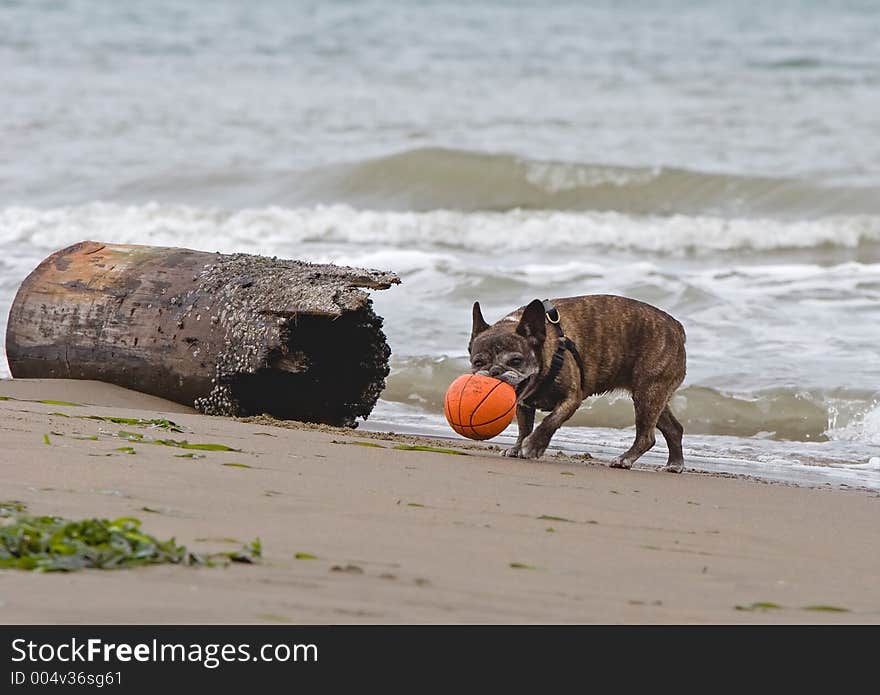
(265, 228)
(435, 178)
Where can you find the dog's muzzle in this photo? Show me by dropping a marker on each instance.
(509, 377)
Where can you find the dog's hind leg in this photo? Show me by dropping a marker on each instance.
(672, 431)
(648, 404)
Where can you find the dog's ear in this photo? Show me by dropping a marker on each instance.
(479, 325)
(531, 325)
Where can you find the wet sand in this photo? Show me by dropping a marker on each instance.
(404, 536)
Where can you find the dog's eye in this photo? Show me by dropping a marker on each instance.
(515, 362)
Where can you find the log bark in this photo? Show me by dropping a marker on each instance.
(227, 334)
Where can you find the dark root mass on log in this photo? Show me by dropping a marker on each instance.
(312, 378)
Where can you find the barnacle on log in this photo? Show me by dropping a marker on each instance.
(228, 334)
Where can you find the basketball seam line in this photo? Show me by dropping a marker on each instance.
(495, 419)
(460, 393)
(483, 400)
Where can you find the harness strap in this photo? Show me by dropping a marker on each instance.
(564, 343)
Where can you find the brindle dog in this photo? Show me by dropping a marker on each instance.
(615, 343)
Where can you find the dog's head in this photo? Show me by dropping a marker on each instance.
(510, 349)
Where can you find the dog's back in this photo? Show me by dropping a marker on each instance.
(624, 342)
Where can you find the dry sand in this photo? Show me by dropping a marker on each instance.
(421, 536)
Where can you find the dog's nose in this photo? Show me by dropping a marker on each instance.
(496, 371)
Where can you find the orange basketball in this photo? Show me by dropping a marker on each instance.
(479, 407)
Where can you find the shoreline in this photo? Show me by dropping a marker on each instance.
(411, 536)
(805, 464)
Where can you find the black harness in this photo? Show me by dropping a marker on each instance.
(564, 344)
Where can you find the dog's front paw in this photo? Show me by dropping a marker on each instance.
(512, 452)
(673, 467)
(533, 448)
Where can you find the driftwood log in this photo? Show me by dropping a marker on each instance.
(227, 334)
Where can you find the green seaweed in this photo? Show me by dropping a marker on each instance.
(54, 544)
(189, 456)
(183, 444)
(419, 447)
(550, 529)
(305, 556)
(237, 465)
(151, 510)
(160, 423)
(760, 606)
(826, 609)
(126, 449)
(130, 435)
(10, 507)
(521, 566)
(247, 555)
(47, 401)
(356, 443)
(550, 517)
(46, 439)
(414, 504)
(89, 438)
(177, 443)
(59, 414)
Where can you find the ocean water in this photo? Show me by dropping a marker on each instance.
(719, 160)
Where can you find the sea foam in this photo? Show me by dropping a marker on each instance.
(264, 228)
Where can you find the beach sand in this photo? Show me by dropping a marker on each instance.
(403, 536)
